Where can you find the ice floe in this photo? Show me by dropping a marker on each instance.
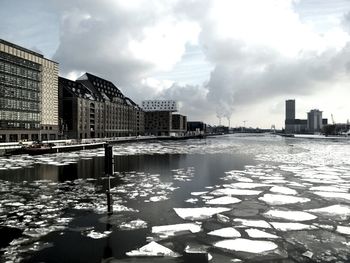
(96, 235)
(227, 232)
(192, 200)
(134, 224)
(252, 223)
(329, 189)
(256, 233)
(343, 230)
(341, 211)
(153, 249)
(290, 215)
(199, 193)
(199, 213)
(283, 190)
(172, 230)
(276, 199)
(246, 245)
(291, 226)
(233, 191)
(336, 195)
(224, 200)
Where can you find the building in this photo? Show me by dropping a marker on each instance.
(313, 123)
(92, 107)
(314, 120)
(160, 119)
(179, 124)
(159, 105)
(291, 124)
(196, 127)
(290, 109)
(28, 95)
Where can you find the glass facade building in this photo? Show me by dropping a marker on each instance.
(28, 95)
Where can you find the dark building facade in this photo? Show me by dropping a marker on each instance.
(196, 127)
(92, 107)
(165, 123)
(28, 95)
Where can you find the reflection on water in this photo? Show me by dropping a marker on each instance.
(235, 197)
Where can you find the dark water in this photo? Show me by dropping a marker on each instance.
(170, 171)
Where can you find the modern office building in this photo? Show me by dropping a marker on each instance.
(196, 127)
(92, 107)
(161, 120)
(313, 123)
(290, 109)
(314, 120)
(28, 95)
(159, 105)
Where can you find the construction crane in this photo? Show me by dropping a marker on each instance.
(332, 119)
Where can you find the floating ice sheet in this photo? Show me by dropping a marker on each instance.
(283, 190)
(275, 199)
(291, 226)
(256, 233)
(329, 189)
(152, 249)
(252, 223)
(335, 195)
(199, 213)
(172, 230)
(232, 191)
(342, 211)
(227, 232)
(246, 245)
(224, 200)
(134, 224)
(343, 230)
(97, 235)
(290, 215)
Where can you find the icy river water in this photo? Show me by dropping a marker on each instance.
(232, 198)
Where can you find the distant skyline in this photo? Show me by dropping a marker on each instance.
(239, 60)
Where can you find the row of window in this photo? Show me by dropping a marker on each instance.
(20, 71)
(18, 125)
(19, 82)
(12, 92)
(19, 61)
(12, 104)
(19, 116)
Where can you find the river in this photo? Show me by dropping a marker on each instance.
(234, 198)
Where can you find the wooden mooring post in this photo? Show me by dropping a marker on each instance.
(109, 167)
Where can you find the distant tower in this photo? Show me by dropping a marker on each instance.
(290, 116)
(314, 120)
(290, 109)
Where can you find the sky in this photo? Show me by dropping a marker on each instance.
(224, 61)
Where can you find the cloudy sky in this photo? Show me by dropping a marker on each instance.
(221, 59)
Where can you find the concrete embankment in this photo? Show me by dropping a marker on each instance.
(73, 145)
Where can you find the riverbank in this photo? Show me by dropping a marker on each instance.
(73, 145)
(314, 136)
